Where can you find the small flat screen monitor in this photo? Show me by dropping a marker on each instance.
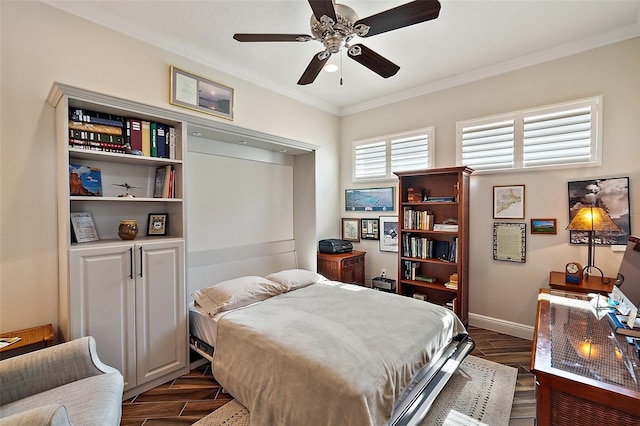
(629, 273)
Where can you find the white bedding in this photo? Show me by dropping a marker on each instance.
(202, 325)
(328, 354)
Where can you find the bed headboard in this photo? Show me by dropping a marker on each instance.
(205, 268)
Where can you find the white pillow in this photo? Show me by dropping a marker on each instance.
(295, 278)
(236, 293)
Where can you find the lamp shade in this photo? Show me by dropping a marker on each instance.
(592, 219)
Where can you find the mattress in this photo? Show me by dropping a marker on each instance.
(202, 325)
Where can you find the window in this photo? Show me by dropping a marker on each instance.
(379, 158)
(556, 135)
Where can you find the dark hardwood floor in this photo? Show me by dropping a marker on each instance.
(187, 399)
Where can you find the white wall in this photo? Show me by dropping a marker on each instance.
(40, 45)
(504, 290)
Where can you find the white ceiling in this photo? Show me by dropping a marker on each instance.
(471, 39)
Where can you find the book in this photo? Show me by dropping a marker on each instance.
(85, 180)
(161, 139)
(153, 133)
(97, 146)
(620, 328)
(425, 278)
(96, 128)
(134, 127)
(146, 138)
(77, 114)
(441, 250)
(6, 341)
(161, 177)
(172, 143)
(94, 136)
(445, 227)
(83, 229)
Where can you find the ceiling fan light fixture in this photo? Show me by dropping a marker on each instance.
(330, 68)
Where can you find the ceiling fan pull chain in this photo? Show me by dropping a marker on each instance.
(341, 53)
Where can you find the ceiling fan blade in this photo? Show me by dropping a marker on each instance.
(401, 16)
(313, 69)
(272, 37)
(370, 59)
(323, 7)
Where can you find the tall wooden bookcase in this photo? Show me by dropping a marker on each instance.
(429, 258)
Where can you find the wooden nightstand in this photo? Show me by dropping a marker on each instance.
(343, 267)
(588, 285)
(30, 339)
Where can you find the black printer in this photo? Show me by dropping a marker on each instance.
(334, 245)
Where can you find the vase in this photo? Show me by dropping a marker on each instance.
(128, 229)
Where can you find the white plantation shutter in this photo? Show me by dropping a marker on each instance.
(410, 153)
(552, 136)
(379, 158)
(370, 160)
(558, 138)
(488, 146)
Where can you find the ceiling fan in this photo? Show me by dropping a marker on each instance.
(335, 25)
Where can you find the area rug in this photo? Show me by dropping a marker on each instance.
(479, 393)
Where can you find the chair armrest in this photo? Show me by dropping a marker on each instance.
(49, 368)
(46, 415)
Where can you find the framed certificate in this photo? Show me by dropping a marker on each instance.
(82, 227)
(509, 242)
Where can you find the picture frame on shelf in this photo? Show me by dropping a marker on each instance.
(508, 202)
(510, 242)
(369, 229)
(351, 229)
(389, 233)
(83, 229)
(543, 226)
(85, 181)
(158, 224)
(369, 199)
(200, 94)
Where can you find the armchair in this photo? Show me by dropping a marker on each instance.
(60, 385)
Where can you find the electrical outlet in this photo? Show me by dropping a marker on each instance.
(383, 273)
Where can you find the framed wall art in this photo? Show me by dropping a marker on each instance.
(612, 194)
(510, 242)
(508, 202)
(369, 199)
(389, 233)
(158, 224)
(351, 229)
(199, 94)
(543, 226)
(369, 229)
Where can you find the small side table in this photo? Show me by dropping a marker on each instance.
(588, 285)
(30, 339)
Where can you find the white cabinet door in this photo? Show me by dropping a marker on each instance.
(161, 320)
(102, 304)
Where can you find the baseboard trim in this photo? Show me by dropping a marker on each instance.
(501, 326)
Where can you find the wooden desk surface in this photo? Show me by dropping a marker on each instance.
(588, 285)
(30, 336)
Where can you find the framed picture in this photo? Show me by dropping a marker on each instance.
(612, 194)
(85, 181)
(350, 229)
(369, 199)
(158, 224)
(369, 229)
(508, 202)
(199, 94)
(83, 229)
(543, 226)
(509, 242)
(389, 230)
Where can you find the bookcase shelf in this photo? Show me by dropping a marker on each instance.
(435, 254)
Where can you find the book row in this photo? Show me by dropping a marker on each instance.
(418, 219)
(114, 133)
(427, 248)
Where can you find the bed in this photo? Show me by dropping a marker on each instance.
(295, 348)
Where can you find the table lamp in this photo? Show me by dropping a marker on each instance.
(591, 219)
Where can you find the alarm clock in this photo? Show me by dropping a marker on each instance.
(573, 273)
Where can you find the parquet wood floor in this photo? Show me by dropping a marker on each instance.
(187, 399)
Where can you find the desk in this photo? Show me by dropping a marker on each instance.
(583, 375)
(30, 339)
(588, 285)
